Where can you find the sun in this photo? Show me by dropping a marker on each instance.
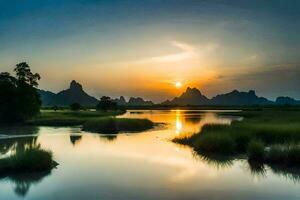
(178, 84)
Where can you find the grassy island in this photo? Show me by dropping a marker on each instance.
(269, 135)
(115, 125)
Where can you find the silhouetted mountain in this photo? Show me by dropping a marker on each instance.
(240, 98)
(138, 101)
(75, 94)
(192, 96)
(287, 101)
(48, 98)
(121, 101)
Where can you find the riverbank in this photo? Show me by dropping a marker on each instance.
(69, 118)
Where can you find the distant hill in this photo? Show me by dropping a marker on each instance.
(133, 101)
(138, 101)
(121, 101)
(240, 98)
(75, 94)
(287, 101)
(192, 96)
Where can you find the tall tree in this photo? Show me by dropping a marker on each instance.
(19, 99)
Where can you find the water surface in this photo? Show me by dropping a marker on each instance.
(143, 165)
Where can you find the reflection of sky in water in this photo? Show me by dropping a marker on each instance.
(145, 166)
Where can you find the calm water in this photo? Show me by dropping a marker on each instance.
(139, 166)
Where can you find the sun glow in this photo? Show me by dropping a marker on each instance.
(178, 84)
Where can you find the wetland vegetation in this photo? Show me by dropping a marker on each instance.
(115, 125)
(266, 135)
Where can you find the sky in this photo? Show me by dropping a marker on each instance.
(143, 47)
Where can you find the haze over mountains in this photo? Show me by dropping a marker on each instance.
(192, 97)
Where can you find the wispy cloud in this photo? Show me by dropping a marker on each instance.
(186, 51)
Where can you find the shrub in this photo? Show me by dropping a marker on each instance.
(255, 150)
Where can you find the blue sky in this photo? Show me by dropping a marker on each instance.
(141, 47)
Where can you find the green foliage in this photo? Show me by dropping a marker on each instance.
(106, 103)
(114, 125)
(19, 99)
(24, 74)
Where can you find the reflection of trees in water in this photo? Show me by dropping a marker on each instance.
(292, 173)
(256, 168)
(214, 160)
(19, 130)
(108, 138)
(22, 181)
(75, 139)
(17, 144)
(192, 117)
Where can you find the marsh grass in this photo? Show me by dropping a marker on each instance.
(70, 118)
(256, 150)
(114, 125)
(259, 129)
(28, 160)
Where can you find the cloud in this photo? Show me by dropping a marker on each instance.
(186, 51)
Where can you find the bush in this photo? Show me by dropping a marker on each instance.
(75, 106)
(256, 150)
(106, 103)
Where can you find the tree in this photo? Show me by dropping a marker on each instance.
(24, 74)
(106, 103)
(75, 106)
(19, 99)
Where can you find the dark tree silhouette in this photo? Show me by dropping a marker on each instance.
(19, 99)
(24, 74)
(106, 103)
(75, 106)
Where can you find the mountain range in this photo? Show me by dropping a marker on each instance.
(76, 94)
(192, 97)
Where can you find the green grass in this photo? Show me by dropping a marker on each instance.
(69, 118)
(256, 150)
(260, 129)
(28, 160)
(115, 125)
